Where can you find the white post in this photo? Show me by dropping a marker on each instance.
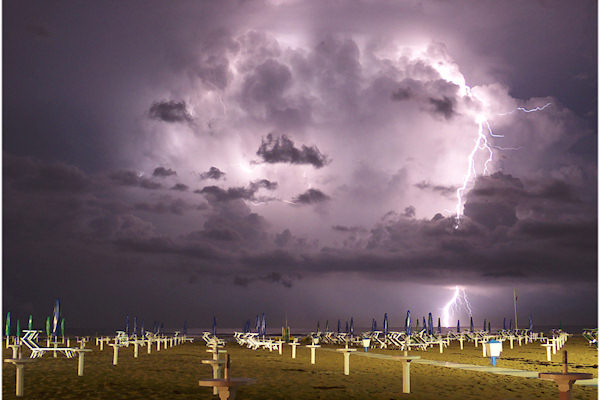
(135, 349)
(484, 352)
(405, 377)
(55, 345)
(158, 345)
(511, 341)
(346, 363)
(115, 354)
(461, 339)
(476, 341)
(313, 352)
(554, 346)
(20, 380)
(441, 346)
(80, 363)
(149, 346)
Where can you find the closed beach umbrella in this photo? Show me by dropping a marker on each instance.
(386, 325)
(417, 324)
(48, 326)
(7, 326)
(318, 326)
(407, 327)
(489, 327)
(185, 327)
(62, 327)
(263, 325)
(484, 324)
(430, 324)
(530, 323)
(424, 324)
(30, 324)
(346, 326)
(162, 328)
(458, 326)
(327, 326)
(142, 332)
(127, 325)
(214, 326)
(56, 317)
(510, 325)
(373, 325)
(351, 326)
(471, 327)
(504, 324)
(439, 326)
(18, 328)
(135, 325)
(339, 326)
(257, 324)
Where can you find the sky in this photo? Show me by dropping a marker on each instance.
(313, 160)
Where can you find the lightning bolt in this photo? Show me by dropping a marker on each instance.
(481, 143)
(459, 299)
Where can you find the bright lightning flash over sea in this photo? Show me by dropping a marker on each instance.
(459, 300)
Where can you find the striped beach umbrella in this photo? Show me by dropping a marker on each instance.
(56, 318)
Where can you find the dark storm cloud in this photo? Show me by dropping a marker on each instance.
(162, 172)
(350, 229)
(215, 193)
(273, 277)
(213, 173)
(443, 106)
(170, 111)
(311, 196)
(176, 206)
(282, 150)
(27, 174)
(132, 178)
(180, 187)
(409, 212)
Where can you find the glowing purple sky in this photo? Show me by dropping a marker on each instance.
(179, 160)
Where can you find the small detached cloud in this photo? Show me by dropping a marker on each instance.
(282, 150)
(311, 196)
(161, 172)
(213, 173)
(180, 187)
(170, 111)
(132, 178)
(217, 194)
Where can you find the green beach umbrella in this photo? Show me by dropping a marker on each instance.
(18, 328)
(30, 324)
(48, 326)
(7, 331)
(62, 327)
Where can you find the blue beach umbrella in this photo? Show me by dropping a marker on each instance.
(346, 326)
(484, 324)
(185, 327)
(407, 327)
(458, 326)
(257, 324)
(373, 325)
(351, 326)
(162, 328)
(326, 325)
(127, 325)
(471, 327)
(530, 323)
(489, 327)
(56, 318)
(263, 325)
(439, 326)
(214, 326)
(339, 327)
(386, 324)
(504, 324)
(142, 332)
(135, 325)
(424, 324)
(510, 325)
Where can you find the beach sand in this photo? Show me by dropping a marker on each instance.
(174, 373)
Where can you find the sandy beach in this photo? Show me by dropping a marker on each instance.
(174, 373)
